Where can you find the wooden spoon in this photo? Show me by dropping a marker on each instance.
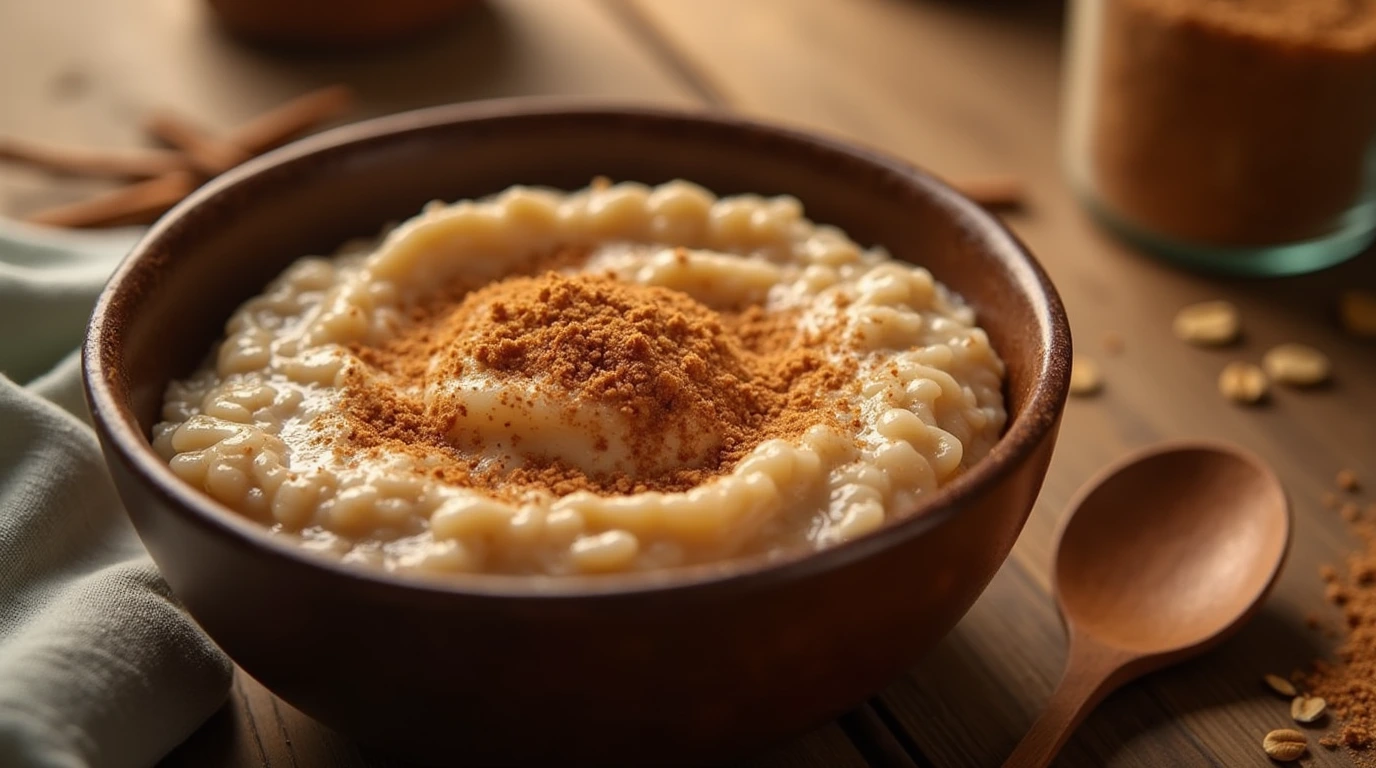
(1162, 557)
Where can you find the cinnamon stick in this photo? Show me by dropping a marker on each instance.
(992, 191)
(79, 161)
(139, 203)
(172, 175)
(210, 155)
(281, 124)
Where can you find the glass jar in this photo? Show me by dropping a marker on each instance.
(1231, 135)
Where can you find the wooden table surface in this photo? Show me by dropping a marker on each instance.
(963, 88)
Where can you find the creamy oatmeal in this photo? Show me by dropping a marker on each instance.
(619, 378)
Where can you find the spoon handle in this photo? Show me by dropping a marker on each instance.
(1092, 672)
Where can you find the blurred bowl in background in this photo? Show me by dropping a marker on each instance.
(333, 23)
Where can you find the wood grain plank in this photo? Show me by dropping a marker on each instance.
(880, 739)
(841, 68)
(255, 728)
(660, 45)
(972, 88)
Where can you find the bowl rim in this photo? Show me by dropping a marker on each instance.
(125, 441)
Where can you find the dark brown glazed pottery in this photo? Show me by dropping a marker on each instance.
(333, 24)
(686, 666)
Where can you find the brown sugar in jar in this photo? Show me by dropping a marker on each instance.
(1225, 124)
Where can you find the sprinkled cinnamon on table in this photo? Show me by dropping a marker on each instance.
(1348, 683)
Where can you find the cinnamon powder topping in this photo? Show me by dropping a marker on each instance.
(690, 389)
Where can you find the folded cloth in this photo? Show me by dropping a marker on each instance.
(99, 666)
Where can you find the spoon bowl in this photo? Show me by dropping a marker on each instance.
(1161, 557)
(1171, 549)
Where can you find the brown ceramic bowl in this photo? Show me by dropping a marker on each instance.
(342, 24)
(684, 666)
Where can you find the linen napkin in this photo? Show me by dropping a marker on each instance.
(99, 666)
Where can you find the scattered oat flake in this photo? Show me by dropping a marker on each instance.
(1208, 324)
(1085, 378)
(1350, 512)
(1358, 310)
(1113, 344)
(1298, 365)
(1285, 744)
(1243, 383)
(1307, 709)
(1347, 480)
(1280, 685)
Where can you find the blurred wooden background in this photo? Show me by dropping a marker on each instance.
(962, 88)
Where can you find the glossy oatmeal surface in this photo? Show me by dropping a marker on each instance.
(618, 378)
